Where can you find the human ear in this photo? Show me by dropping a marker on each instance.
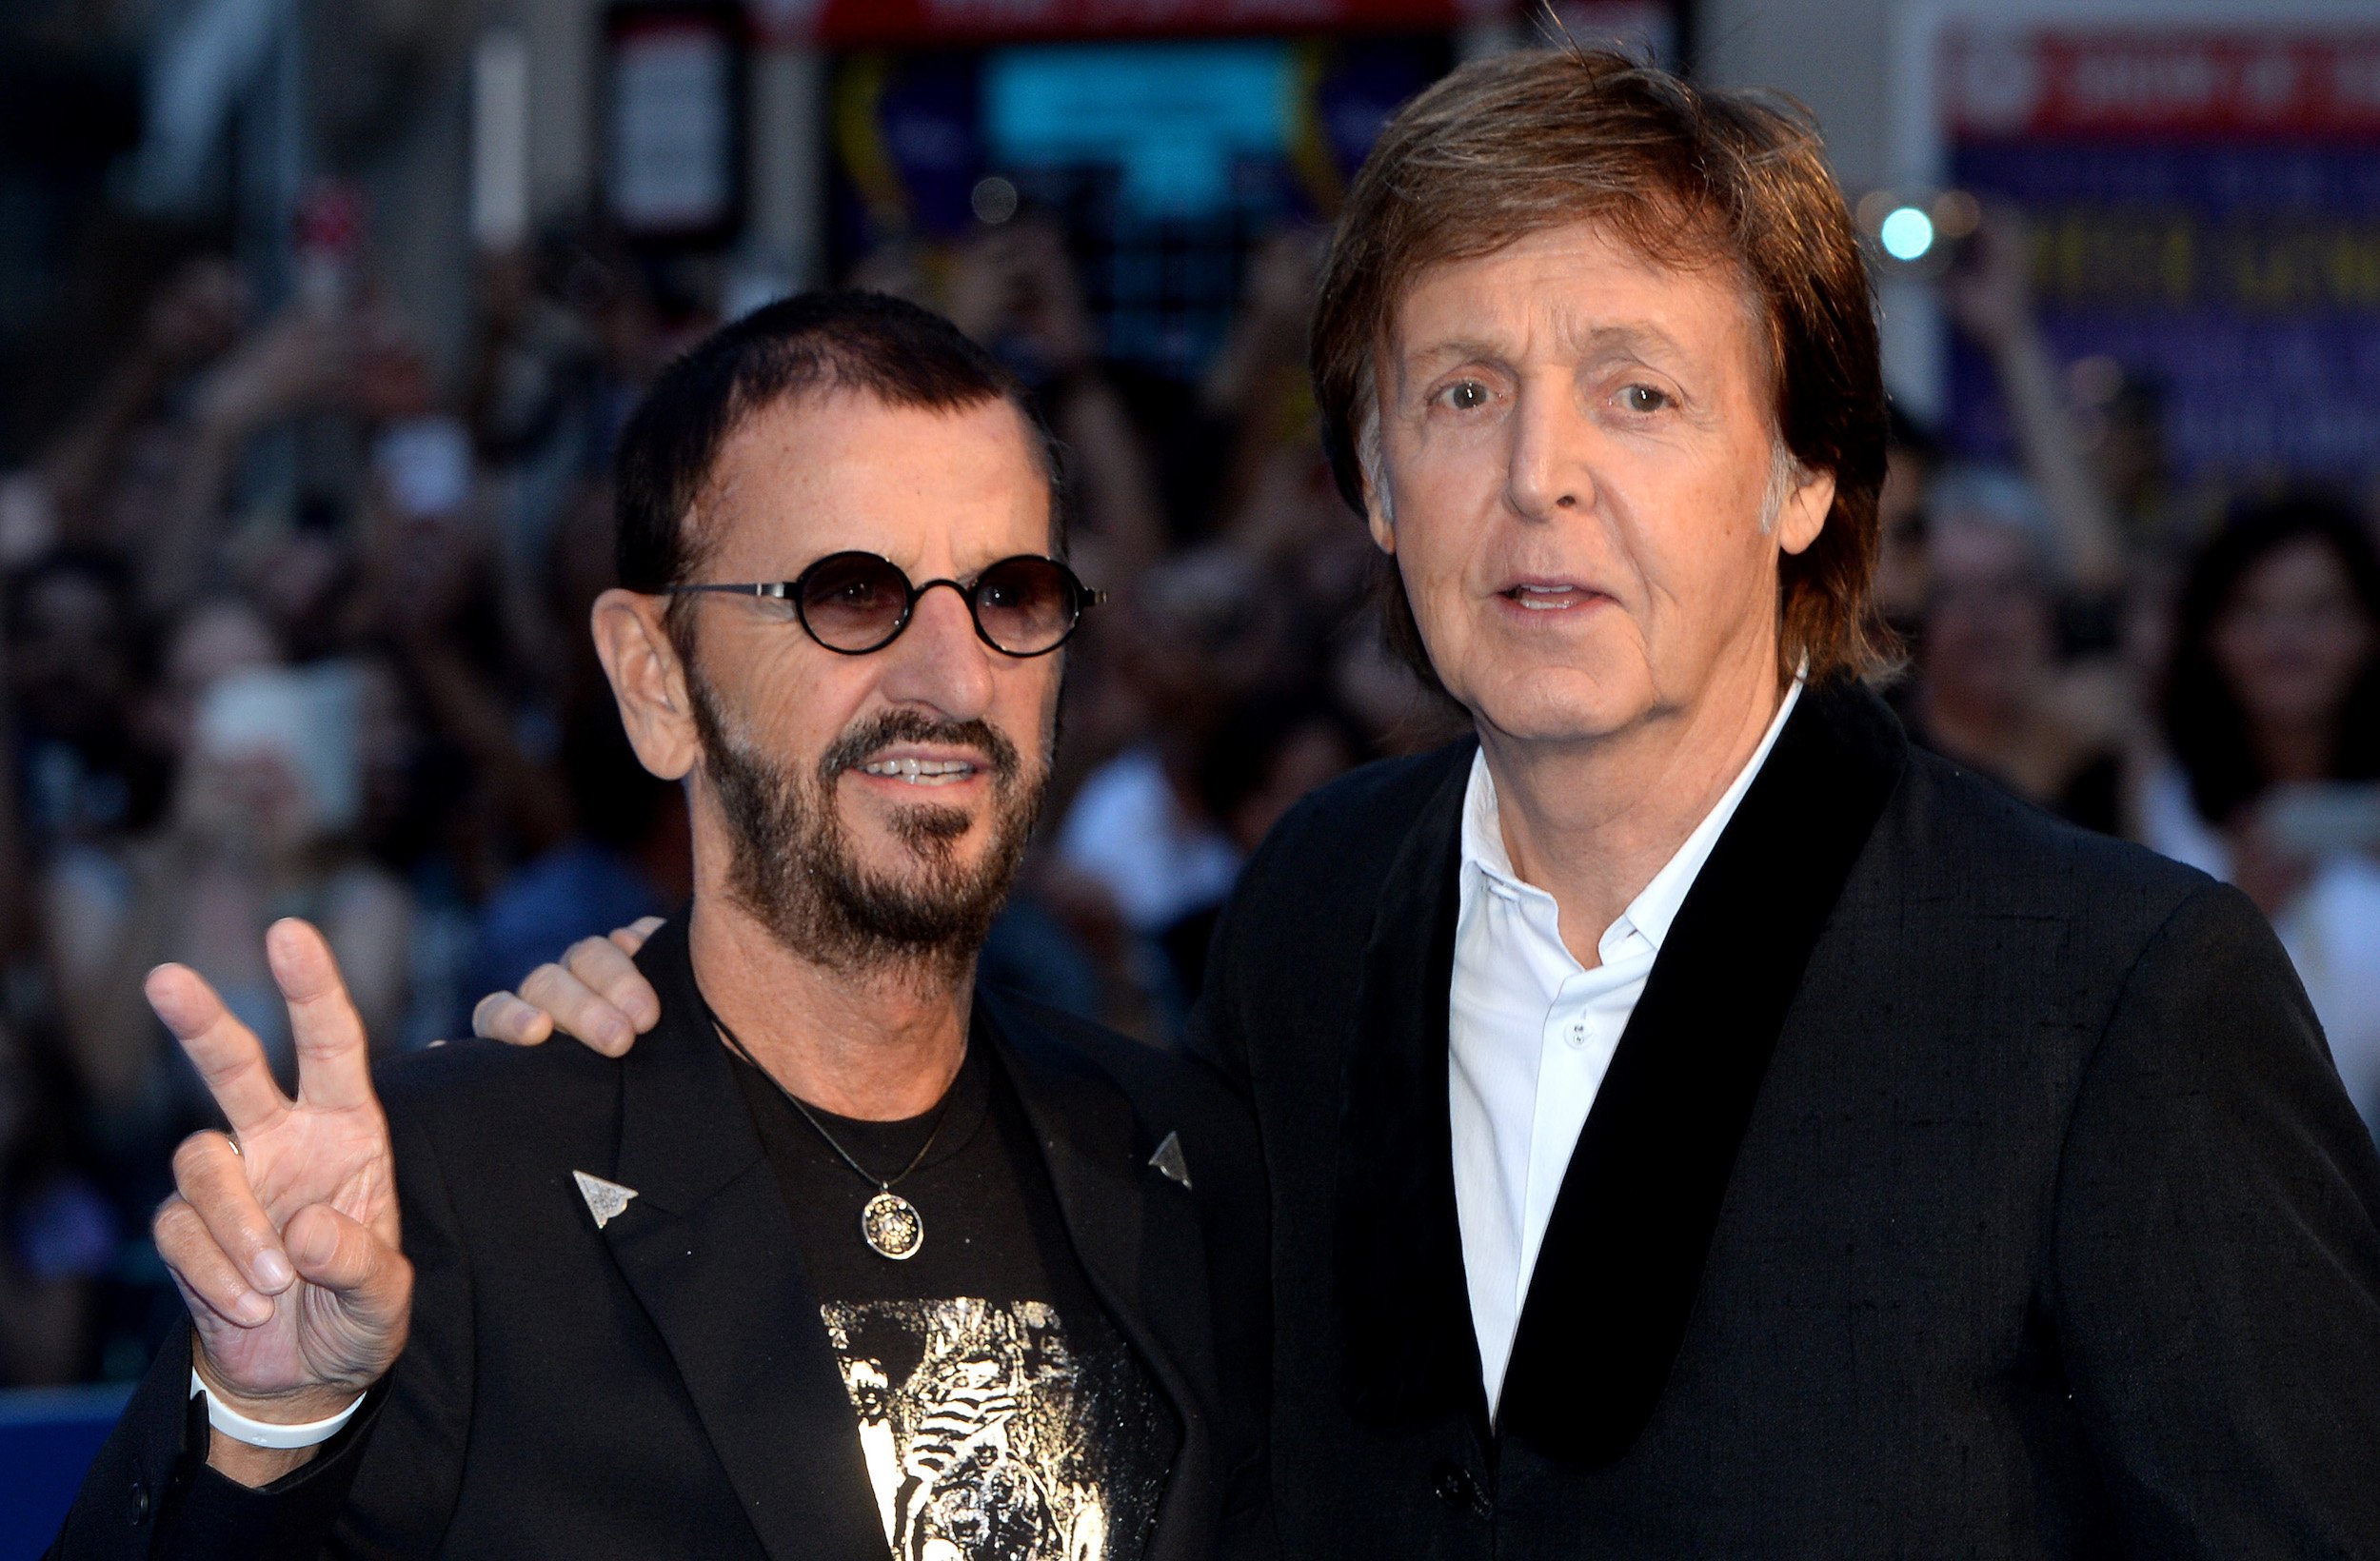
(648, 679)
(1380, 514)
(1375, 517)
(1803, 514)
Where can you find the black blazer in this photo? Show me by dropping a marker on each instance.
(664, 1386)
(1963, 1185)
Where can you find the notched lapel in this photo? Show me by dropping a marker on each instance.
(1412, 1352)
(1623, 1254)
(1135, 1235)
(709, 1250)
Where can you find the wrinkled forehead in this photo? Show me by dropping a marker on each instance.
(826, 471)
(1685, 264)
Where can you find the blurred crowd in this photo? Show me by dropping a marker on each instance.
(292, 622)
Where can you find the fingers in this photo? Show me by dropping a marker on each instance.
(334, 1060)
(503, 1016)
(223, 1050)
(211, 1179)
(606, 966)
(577, 996)
(205, 1273)
(632, 937)
(371, 1276)
(577, 1011)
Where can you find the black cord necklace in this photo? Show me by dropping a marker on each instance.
(889, 1223)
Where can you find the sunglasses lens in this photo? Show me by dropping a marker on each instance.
(853, 601)
(1028, 605)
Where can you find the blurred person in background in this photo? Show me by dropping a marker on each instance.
(58, 1231)
(1013, 288)
(105, 480)
(1988, 294)
(268, 773)
(82, 767)
(1989, 691)
(2272, 717)
(1913, 455)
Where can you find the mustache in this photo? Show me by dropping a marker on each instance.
(865, 739)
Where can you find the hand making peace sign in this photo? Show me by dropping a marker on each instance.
(283, 1237)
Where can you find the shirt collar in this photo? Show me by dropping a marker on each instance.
(1651, 911)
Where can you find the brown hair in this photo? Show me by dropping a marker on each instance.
(1512, 146)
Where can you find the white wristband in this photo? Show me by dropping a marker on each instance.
(265, 1432)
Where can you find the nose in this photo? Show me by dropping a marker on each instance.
(938, 662)
(1552, 443)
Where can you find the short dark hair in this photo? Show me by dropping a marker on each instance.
(2206, 724)
(1688, 176)
(808, 345)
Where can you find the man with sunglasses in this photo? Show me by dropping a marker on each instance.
(844, 1257)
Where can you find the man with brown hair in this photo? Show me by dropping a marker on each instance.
(1697, 1123)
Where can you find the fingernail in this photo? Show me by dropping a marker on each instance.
(272, 1270)
(617, 1035)
(253, 1308)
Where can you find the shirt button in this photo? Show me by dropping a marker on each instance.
(1575, 1035)
(140, 1504)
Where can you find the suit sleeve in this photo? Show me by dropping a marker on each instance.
(384, 1486)
(2216, 1264)
(150, 1492)
(405, 1494)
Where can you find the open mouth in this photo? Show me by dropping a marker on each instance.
(921, 772)
(1548, 598)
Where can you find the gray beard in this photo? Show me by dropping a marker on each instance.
(792, 867)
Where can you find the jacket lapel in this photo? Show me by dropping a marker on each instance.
(709, 1250)
(1136, 1236)
(1623, 1254)
(1412, 1354)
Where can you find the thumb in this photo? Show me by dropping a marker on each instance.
(371, 1279)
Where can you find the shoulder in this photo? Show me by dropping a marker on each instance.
(1967, 845)
(1353, 828)
(1958, 811)
(483, 1093)
(1162, 1084)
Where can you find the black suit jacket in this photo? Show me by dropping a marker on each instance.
(664, 1386)
(1963, 1185)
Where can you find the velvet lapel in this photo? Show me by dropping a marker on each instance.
(1136, 1236)
(708, 1248)
(1623, 1254)
(1412, 1354)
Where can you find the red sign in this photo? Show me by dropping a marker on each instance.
(2117, 82)
(849, 24)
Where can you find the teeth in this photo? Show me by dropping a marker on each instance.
(920, 772)
(1548, 598)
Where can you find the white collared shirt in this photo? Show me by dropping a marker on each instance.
(1531, 1032)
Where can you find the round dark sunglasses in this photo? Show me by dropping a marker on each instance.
(855, 603)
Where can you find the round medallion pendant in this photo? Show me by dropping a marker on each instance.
(890, 1226)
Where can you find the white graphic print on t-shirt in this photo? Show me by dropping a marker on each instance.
(987, 1438)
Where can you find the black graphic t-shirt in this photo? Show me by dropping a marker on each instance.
(1003, 1417)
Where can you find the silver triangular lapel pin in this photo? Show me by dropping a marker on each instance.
(604, 1199)
(1169, 1162)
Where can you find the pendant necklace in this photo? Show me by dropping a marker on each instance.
(889, 1223)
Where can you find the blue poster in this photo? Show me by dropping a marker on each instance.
(2240, 278)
